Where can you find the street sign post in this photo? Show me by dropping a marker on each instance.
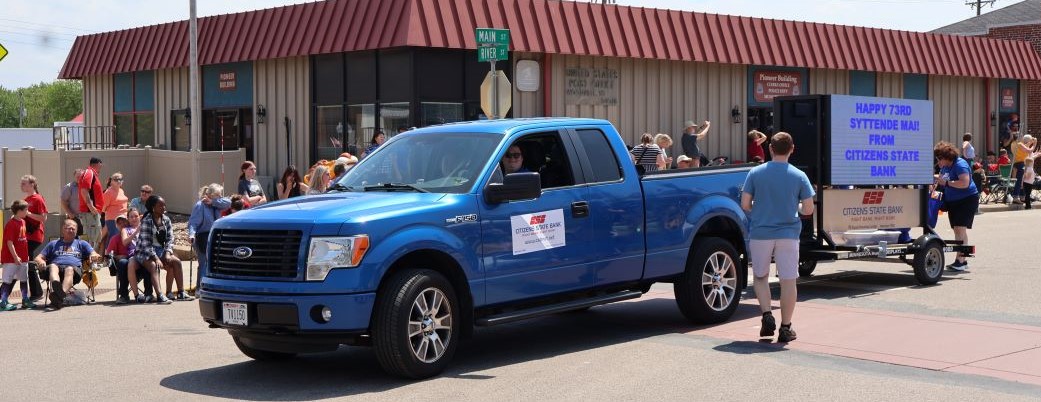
(496, 94)
(3, 52)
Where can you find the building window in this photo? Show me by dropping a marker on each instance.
(862, 83)
(329, 132)
(440, 113)
(361, 123)
(394, 116)
(916, 86)
(133, 108)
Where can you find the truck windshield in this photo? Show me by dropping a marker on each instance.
(423, 162)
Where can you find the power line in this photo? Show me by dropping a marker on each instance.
(48, 25)
(37, 35)
(36, 44)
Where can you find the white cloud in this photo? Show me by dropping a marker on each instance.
(25, 23)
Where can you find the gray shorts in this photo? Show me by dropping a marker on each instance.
(14, 271)
(785, 252)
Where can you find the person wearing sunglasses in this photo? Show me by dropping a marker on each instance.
(513, 160)
(137, 203)
(115, 204)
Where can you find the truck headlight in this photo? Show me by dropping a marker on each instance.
(327, 253)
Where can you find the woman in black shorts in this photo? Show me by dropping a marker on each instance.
(960, 195)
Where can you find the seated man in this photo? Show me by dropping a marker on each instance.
(64, 261)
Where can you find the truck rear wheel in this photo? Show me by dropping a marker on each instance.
(261, 355)
(806, 267)
(928, 263)
(416, 325)
(707, 292)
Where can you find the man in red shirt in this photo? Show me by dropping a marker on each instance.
(91, 200)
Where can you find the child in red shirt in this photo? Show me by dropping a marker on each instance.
(15, 257)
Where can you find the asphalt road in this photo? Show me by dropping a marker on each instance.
(640, 350)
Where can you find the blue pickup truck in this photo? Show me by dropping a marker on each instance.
(428, 238)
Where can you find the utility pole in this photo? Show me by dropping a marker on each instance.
(978, 4)
(21, 109)
(195, 129)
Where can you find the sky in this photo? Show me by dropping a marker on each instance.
(38, 34)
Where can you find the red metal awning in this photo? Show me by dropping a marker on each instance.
(548, 26)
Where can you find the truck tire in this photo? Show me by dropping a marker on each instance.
(261, 355)
(806, 268)
(416, 324)
(928, 263)
(708, 291)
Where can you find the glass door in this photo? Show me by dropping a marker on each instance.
(180, 133)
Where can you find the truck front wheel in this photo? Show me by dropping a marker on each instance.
(416, 326)
(707, 292)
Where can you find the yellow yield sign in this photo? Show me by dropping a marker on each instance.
(3, 52)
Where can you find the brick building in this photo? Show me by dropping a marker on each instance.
(1021, 22)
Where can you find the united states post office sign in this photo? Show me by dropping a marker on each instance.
(591, 86)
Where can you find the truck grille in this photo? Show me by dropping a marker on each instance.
(272, 253)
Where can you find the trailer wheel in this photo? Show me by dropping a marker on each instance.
(261, 355)
(707, 292)
(928, 263)
(415, 325)
(806, 267)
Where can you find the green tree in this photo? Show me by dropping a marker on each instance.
(45, 103)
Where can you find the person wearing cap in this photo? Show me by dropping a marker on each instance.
(91, 201)
(689, 140)
(683, 162)
(1020, 151)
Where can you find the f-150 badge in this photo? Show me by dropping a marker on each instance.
(462, 218)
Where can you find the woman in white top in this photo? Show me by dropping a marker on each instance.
(647, 154)
(664, 142)
(967, 150)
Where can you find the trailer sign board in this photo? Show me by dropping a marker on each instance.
(878, 141)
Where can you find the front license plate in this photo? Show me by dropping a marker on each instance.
(235, 314)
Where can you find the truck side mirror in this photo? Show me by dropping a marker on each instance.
(515, 186)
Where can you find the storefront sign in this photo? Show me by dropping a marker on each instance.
(528, 76)
(876, 141)
(846, 210)
(591, 86)
(771, 84)
(227, 81)
(1008, 98)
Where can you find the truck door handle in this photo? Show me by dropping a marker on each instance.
(580, 209)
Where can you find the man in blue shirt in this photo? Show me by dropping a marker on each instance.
(64, 260)
(775, 194)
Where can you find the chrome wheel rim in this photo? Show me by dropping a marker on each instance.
(430, 325)
(933, 262)
(719, 281)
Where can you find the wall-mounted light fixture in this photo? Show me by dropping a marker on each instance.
(993, 119)
(261, 114)
(188, 117)
(735, 115)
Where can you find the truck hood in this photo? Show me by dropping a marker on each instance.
(334, 208)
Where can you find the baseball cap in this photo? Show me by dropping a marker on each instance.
(689, 123)
(1028, 137)
(683, 158)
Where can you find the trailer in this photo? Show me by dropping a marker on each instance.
(871, 161)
